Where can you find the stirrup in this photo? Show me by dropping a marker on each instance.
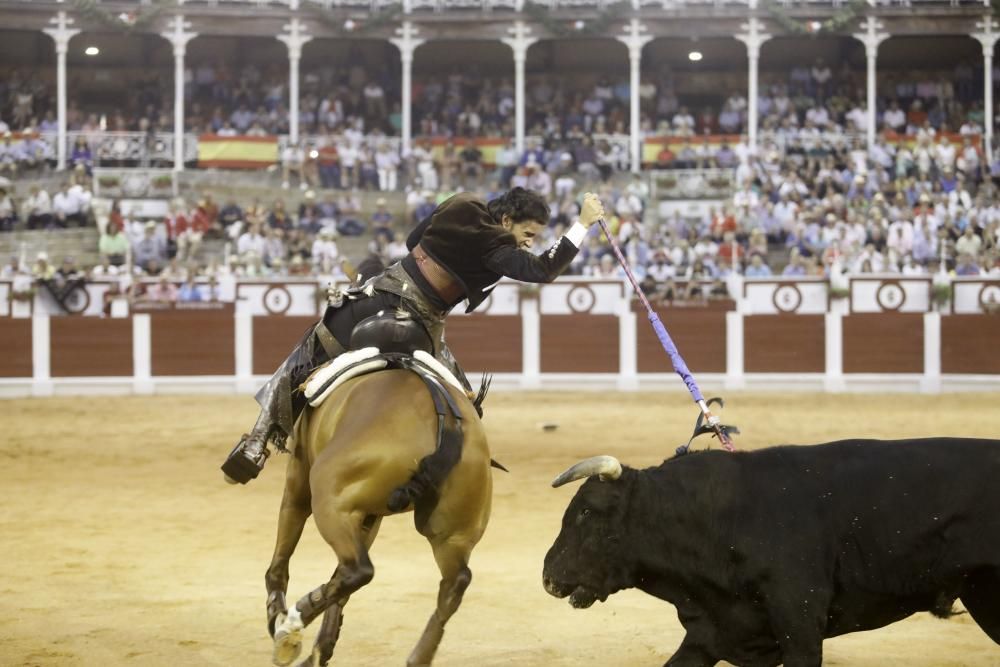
(243, 463)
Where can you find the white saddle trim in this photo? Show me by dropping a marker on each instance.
(324, 373)
(440, 369)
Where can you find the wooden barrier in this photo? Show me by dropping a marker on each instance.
(884, 343)
(91, 347)
(784, 344)
(970, 344)
(16, 360)
(579, 344)
(486, 343)
(274, 337)
(193, 342)
(698, 332)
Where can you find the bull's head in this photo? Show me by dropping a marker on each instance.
(588, 562)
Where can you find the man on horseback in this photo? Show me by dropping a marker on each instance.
(458, 253)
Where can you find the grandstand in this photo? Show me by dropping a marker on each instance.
(810, 162)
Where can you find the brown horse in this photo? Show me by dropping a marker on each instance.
(348, 456)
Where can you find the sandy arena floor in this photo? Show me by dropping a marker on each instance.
(122, 545)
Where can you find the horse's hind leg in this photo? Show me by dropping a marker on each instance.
(452, 559)
(981, 596)
(344, 531)
(295, 511)
(333, 619)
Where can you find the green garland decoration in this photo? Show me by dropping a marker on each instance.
(601, 24)
(133, 20)
(842, 19)
(343, 25)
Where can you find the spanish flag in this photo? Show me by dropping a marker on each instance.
(237, 152)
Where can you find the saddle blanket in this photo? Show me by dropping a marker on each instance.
(325, 379)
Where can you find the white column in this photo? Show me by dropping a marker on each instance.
(634, 40)
(178, 38)
(930, 383)
(519, 42)
(531, 343)
(243, 323)
(142, 354)
(988, 38)
(753, 38)
(833, 380)
(735, 378)
(407, 43)
(294, 40)
(41, 347)
(871, 38)
(61, 34)
(628, 378)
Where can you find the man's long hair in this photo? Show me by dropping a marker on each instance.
(520, 205)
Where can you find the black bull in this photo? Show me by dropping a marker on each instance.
(767, 553)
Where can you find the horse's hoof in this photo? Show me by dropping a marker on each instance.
(229, 480)
(287, 639)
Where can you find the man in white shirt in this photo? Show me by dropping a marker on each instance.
(66, 207)
(37, 209)
(894, 118)
(251, 241)
(325, 252)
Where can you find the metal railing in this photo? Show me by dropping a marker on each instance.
(124, 149)
(518, 5)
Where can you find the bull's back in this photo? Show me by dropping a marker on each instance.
(894, 517)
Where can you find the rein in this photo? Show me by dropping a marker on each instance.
(668, 346)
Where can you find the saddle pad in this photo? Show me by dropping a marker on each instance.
(439, 369)
(323, 374)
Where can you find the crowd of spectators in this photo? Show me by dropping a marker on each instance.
(835, 214)
(813, 200)
(351, 113)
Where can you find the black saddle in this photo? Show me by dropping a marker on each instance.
(392, 332)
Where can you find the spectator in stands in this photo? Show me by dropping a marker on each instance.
(758, 268)
(67, 207)
(42, 270)
(796, 268)
(162, 291)
(350, 208)
(967, 266)
(150, 252)
(81, 155)
(293, 159)
(251, 241)
(472, 164)
(190, 292)
(325, 252)
(113, 245)
(230, 214)
(387, 166)
(11, 156)
(382, 221)
(8, 212)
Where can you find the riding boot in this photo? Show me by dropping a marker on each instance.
(281, 403)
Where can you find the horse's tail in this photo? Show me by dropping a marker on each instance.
(423, 488)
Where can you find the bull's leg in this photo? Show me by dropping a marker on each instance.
(333, 618)
(799, 631)
(295, 510)
(981, 596)
(691, 654)
(452, 558)
(344, 532)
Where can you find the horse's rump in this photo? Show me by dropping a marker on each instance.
(368, 438)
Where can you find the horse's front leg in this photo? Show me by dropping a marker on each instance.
(295, 511)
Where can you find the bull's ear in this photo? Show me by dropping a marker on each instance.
(607, 467)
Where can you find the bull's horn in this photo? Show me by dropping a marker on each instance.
(607, 467)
